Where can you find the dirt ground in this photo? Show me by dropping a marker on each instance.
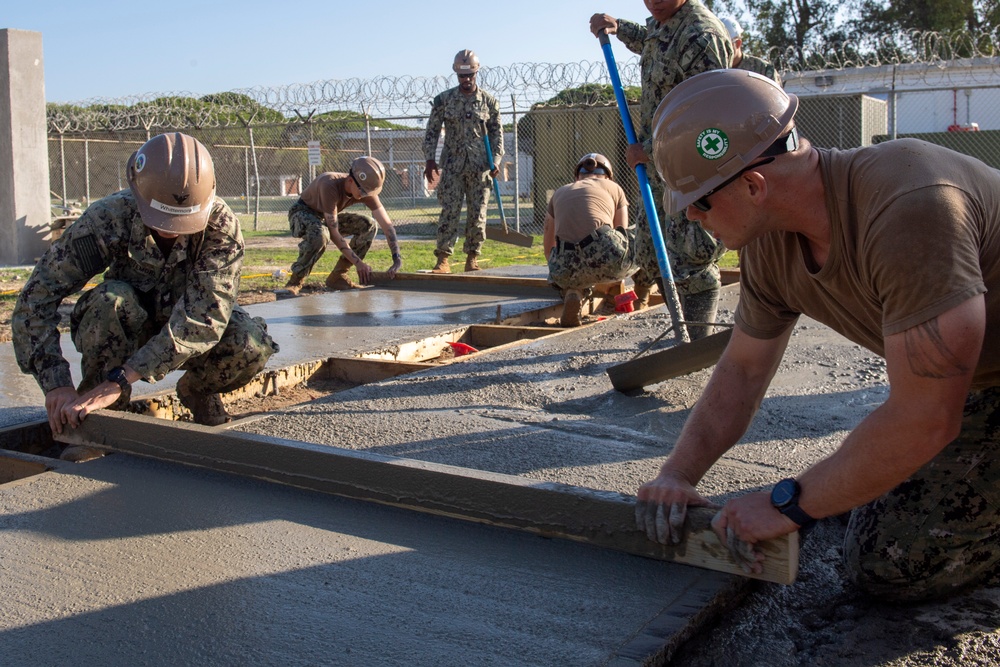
(821, 619)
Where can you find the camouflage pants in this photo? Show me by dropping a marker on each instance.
(308, 225)
(474, 188)
(938, 531)
(692, 252)
(608, 255)
(110, 322)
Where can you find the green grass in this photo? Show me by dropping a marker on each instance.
(259, 264)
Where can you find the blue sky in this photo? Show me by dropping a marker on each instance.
(106, 49)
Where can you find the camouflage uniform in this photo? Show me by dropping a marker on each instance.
(154, 314)
(760, 66)
(465, 167)
(608, 254)
(938, 531)
(692, 41)
(308, 225)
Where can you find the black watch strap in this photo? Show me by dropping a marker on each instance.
(798, 515)
(117, 375)
(785, 498)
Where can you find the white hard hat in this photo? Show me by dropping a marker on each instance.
(735, 31)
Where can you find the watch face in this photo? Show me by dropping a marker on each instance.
(783, 492)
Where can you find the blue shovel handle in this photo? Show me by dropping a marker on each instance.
(496, 186)
(673, 301)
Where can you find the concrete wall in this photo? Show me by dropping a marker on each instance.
(24, 168)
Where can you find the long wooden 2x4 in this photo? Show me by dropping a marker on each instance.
(602, 518)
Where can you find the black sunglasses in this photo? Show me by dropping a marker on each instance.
(702, 202)
(467, 76)
(785, 144)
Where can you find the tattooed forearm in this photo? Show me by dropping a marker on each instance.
(928, 353)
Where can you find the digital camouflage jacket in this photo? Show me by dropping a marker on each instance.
(190, 294)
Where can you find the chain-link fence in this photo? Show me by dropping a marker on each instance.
(268, 144)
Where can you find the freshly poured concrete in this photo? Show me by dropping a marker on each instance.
(195, 565)
(319, 326)
(129, 561)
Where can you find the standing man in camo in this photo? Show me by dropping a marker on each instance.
(742, 59)
(682, 38)
(466, 170)
(170, 252)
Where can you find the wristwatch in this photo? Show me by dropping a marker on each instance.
(117, 374)
(785, 498)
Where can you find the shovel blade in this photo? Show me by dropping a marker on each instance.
(672, 362)
(508, 236)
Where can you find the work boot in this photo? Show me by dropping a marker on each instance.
(206, 409)
(572, 301)
(442, 265)
(293, 286)
(338, 280)
(471, 263)
(641, 296)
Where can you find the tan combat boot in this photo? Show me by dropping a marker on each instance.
(571, 308)
(294, 285)
(206, 409)
(338, 280)
(472, 263)
(442, 266)
(641, 296)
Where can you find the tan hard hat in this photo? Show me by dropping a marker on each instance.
(369, 175)
(466, 62)
(711, 126)
(173, 180)
(591, 161)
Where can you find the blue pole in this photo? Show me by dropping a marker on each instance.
(496, 186)
(673, 301)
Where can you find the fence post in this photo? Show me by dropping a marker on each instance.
(256, 172)
(246, 177)
(368, 132)
(517, 170)
(62, 166)
(86, 169)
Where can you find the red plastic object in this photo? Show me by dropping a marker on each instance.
(623, 302)
(462, 348)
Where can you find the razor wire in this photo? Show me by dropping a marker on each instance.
(521, 86)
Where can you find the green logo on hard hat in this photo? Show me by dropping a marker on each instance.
(712, 143)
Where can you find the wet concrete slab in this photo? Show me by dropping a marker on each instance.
(133, 561)
(319, 326)
(176, 565)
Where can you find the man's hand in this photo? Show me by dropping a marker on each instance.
(747, 520)
(431, 172)
(635, 154)
(397, 263)
(364, 272)
(662, 505)
(599, 22)
(55, 400)
(66, 407)
(494, 172)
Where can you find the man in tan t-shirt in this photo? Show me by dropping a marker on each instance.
(586, 236)
(318, 218)
(897, 247)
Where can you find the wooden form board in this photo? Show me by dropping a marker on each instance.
(601, 518)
